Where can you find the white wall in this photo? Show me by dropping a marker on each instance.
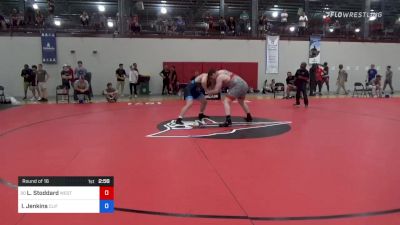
(150, 53)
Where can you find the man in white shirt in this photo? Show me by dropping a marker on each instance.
(42, 78)
(284, 19)
(110, 93)
(81, 89)
(388, 79)
(133, 79)
(303, 19)
(342, 79)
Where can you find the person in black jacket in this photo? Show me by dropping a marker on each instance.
(26, 73)
(302, 78)
(165, 76)
(313, 81)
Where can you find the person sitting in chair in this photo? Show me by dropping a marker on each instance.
(376, 86)
(290, 85)
(272, 85)
(268, 87)
(81, 87)
(110, 93)
(264, 91)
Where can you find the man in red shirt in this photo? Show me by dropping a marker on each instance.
(71, 73)
(326, 22)
(319, 73)
(325, 67)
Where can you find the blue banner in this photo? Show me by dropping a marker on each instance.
(49, 48)
(315, 50)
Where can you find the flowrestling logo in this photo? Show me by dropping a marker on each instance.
(340, 14)
(209, 128)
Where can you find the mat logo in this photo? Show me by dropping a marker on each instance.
(144, 103)
(209, 128)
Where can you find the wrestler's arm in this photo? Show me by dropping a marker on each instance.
(203, 81)
(217, 87)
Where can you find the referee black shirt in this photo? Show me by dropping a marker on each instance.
(302, 77)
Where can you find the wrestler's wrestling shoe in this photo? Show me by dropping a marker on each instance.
(249, 118)
(179, 121)
(227, 123)
(202, 116)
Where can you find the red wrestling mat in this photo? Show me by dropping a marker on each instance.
(334, 163)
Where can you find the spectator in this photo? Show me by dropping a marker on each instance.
(388, 79)
(284, 16)
(302, 77)
(272, 85)
(265, 87)
(338, 28)
(165, 76)
(261, 25)
(325, 75)
(33, 83)
(3, 24)
(303, 20)
(26, 73)
(290, 84)
(268, 87)
(117, 19)
(243, 21)
(121, 75)
(134, 25)
(98, 21)
(66, 79)
(84, 18)
(326, 22)
(173, 80)
(313, 79)
(15, 18)
(376, 86)
(349, 29)
(170, 26)
(110, 93)
(80, 71)
(342, 79)
(284, 20)
(231, 25)
(51, 6)
(42, 77)
(180, 25)
(210, 21)
(81, 89)
(71, 73)
(319, 77)
(29, 12)
(372, 72)
(103, 20)
(133, 80)
(39, 18)
(222, 25)
(88, 78)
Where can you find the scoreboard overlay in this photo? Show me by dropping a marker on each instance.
(66, 194)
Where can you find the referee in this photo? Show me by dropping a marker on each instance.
(302, 77)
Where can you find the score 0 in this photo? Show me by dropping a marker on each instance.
(106, 199)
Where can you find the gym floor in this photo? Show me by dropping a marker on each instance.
(333, 163)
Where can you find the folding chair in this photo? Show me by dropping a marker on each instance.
(61, 91)
(2, 95)
(279, 88)
(359, 90)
